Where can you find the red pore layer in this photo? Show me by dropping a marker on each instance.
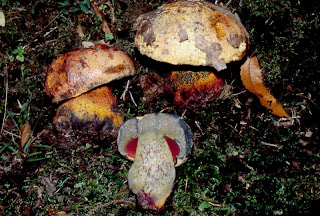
(131, 148)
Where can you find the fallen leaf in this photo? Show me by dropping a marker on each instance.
(25, 134)
(252, 79)
(80, 31)
(2, 19)
(99, 13)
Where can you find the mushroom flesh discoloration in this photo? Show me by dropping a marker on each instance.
(156, 143)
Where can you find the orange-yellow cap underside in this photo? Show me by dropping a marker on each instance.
(93, 111)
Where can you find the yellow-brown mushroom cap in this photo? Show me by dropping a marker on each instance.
(81, 70)
(93, 111)
(192, 33)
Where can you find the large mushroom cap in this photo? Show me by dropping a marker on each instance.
(81, 70)
(192, 33)
(93, 111)
(157, 143)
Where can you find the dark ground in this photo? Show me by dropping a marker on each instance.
(245, 160)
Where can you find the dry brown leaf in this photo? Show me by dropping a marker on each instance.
(99, 13)
(252, 79)
(25, 134)
(80, 30)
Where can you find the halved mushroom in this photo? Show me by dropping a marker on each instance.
(192, 33)
(194, 88)
(156, 143)
(81, 70)
(93, 111)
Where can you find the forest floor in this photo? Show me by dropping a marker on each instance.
(245, 160)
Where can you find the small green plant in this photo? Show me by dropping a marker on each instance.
(18, 54)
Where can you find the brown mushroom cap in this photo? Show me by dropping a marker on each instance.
(93, 111)
(81, 70)
(157, 143)
(192, 33)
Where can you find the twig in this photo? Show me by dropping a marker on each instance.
(228, 3)
(199, 127)
(6, 97)
(49, 32)
(186, 186)
(301, 95)
(123, 96)
(254, 128)
(33, 39)
(235, 94)
(270, 144)
(11, 134)
(217, 205)
(132, 99)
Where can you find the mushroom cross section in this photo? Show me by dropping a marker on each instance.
(156, 143)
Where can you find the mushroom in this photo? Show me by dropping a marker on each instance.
(81, 70)
(196, 33)
(78, 74)
(192, 33)
(157, 143)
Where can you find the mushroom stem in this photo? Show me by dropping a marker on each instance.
(152, 174)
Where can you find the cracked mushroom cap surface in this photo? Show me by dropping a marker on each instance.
(156, 143)
(81, 70)
(192, 33)
(96, 110)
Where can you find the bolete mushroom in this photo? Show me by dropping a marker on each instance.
(192, 33)
(78, 74)
(157, 143)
